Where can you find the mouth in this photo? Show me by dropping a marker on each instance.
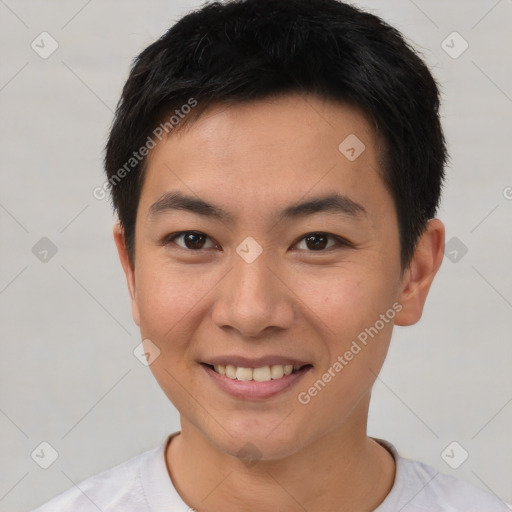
(255, 381)
(258, 374)
(254, 378)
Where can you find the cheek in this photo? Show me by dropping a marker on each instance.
(168, 297)
(355, 339)
(347, 313)
(345, 304)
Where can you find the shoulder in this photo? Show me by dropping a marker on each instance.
(120, 486)
(447, 492)
(420, 487)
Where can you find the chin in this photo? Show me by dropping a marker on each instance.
(254, 442)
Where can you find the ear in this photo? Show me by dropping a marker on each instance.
(129, 271)
(418, 278)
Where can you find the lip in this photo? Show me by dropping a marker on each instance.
(253, 390)
(256, 362)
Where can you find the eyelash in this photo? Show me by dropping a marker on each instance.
(169, 239)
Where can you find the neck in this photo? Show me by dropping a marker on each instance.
(338, 472)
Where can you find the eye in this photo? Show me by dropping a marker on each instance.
(193, 240)
(316, 242)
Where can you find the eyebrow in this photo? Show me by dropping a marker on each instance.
(332, 203)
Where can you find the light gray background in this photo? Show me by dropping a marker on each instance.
(67, 372)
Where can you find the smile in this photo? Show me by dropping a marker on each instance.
(259, 382)
(261, 374)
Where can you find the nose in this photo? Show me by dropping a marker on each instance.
(254, 299)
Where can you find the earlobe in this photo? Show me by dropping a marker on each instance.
(418, 278)
(129, 271)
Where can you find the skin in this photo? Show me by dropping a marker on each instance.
(254, 160)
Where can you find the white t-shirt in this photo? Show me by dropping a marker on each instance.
(143, 484)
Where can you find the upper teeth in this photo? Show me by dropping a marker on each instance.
(261, 374)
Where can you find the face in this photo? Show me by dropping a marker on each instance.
(283, 276)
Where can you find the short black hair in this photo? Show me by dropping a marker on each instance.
(244, 50)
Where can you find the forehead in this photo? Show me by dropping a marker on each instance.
(268, 151)
(296, 127)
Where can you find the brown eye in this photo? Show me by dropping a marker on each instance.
(319, 241)
(192, 240)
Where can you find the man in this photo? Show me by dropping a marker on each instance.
(276, 166)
